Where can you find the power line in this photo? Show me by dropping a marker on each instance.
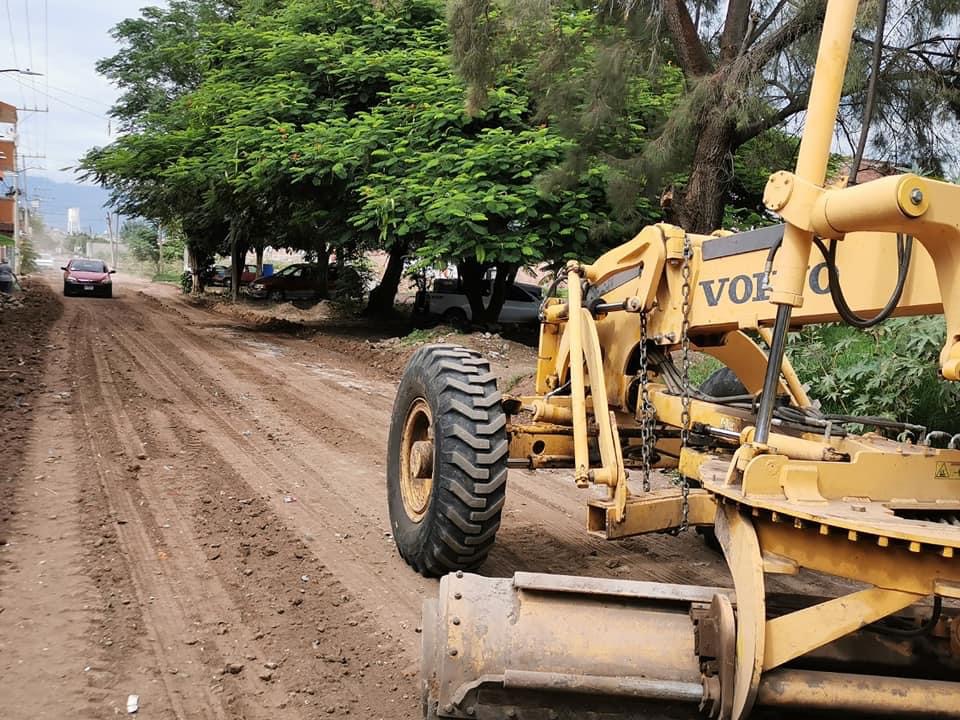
(78, 96)
(26, 11)
(13, 42)
(46, 68)
(13, 46)
(55, 98)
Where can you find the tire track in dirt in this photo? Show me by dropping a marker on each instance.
(545, 534)
(165, 500)
(166, 619)
(350, 527)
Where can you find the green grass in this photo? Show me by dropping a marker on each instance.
(167, 276)
(514, 381)
(701, 367)
(419, 336)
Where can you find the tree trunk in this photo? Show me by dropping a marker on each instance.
(238, 258)
(323, 266)
(471, 278)
(194, 258)
(383, 296)
(259, 250)
(506, 273)
(699, 207)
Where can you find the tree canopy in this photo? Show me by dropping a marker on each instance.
(746, 65)
(337, 127)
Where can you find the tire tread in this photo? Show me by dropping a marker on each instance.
(471, 463)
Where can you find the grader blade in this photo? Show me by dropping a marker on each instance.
(537, 646)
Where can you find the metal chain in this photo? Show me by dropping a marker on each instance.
(685, 370)
(646, 408)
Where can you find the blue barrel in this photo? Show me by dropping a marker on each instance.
(267, 269)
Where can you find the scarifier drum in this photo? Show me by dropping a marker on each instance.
(553, 646)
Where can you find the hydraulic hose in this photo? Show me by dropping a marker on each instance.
(904, 253)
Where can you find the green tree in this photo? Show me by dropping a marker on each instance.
(746, 66)
(336, 127)
(140, 237)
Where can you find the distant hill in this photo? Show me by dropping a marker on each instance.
(55, 197)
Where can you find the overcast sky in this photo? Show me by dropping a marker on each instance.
(64, 47)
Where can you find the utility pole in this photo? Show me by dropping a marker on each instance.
(16, 216)
(113, 242)
(160, 248)
(22, 228)
(17, 250)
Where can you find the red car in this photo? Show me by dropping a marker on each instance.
(87, 277)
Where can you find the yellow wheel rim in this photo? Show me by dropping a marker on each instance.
(416, 460)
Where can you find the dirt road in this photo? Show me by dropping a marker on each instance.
(200, 520)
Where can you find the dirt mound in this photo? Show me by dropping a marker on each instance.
(514, 363)
(287, 312)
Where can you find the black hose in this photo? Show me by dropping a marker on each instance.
(904, 253)
(922, 629)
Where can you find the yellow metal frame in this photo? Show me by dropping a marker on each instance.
(837, 505)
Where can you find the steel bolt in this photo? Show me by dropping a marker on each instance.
(457, 596)
(448, 708)
(453, 652)
(456, 621)
(511, 713)
(471, 710)
(916, 196)
(459, 573)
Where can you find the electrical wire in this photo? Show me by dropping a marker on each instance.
(31, 78)
(13, 47)
(55, 98)
(79, 96)
(26, 9)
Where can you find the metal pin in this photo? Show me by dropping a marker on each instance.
(916, 196)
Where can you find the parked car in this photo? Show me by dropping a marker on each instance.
(301, 280)
(45, 261)
(220, 276)
(83, 276)
(446, 300)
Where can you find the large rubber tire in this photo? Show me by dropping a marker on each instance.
(723, 383)
(448, 394)
(276, 296)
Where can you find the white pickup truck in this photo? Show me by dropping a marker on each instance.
(445, 299)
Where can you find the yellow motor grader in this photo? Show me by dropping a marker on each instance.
(781, 484)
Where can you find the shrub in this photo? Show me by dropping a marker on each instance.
(890, 370)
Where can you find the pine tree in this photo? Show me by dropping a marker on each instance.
(747, 67)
